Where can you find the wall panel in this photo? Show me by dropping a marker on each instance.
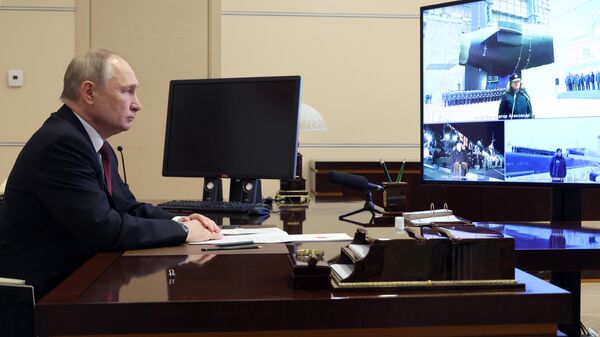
(38, 40)
(360, 66)
(162, 40)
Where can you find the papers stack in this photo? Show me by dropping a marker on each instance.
(426, 214)
(271, 235)
(438, 217)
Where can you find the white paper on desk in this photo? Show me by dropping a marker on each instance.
(277, 237)
(269, 237)
(246, 231)
(320, 237)
(438, 219)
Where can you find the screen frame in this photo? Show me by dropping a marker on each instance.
(289, 174)
(565, 185)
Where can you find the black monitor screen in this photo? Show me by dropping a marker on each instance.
(237, 127)
(510, 92)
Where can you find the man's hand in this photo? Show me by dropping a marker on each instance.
(198, 231)
(198, 260)
(205, 221)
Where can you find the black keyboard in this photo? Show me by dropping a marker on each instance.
(213, 206)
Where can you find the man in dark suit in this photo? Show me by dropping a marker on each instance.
(64, 200)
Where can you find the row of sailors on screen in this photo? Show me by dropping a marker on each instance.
(452, 98)
(582, 82)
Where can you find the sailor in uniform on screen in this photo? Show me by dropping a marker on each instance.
(515, 103)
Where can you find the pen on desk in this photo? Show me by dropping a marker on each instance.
(385, 170)
(211, 249)
(234, 243)
(399, 179)
(230, 227)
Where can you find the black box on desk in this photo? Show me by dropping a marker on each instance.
(309, 274)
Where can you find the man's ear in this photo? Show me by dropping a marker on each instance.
(87, 92)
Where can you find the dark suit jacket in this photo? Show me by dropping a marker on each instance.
(57, 212)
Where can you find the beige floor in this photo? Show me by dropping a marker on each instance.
(590, 304)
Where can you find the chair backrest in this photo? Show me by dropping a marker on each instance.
(2, 187)
(17, 302)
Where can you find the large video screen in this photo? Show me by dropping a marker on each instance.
(510, 92)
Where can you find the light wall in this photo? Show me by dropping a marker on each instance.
(360, 66)
(162, 40)
(359, 61)
(38, 38)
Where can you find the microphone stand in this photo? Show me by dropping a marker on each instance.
(368, 206)
(120, 148)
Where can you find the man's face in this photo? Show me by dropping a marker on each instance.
(515, 85)
(559, 153)
(116, 103)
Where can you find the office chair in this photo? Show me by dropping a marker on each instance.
(17, 302)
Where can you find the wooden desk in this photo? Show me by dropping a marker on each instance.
(562, 249)
(249, 295)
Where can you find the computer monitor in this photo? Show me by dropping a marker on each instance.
(480, 57)
(242, 128)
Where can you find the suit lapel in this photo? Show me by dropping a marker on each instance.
(68, 115)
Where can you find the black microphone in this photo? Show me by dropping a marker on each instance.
(120, 149)
(352, 180)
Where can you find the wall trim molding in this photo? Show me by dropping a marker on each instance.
(325, 15)
(357, 145)
(36, 9)
(12, 144)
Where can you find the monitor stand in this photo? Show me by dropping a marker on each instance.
(566, 212)
(245, 190)
(213, 189)
(566, 206)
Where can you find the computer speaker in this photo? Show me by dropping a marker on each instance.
(245, 190)
(213, 189)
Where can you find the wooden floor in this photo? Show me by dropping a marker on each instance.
(590, 304)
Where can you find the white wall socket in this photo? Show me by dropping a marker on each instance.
(15, 78)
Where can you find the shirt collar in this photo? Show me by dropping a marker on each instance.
(95, 137)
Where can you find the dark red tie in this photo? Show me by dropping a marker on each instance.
(105, 153)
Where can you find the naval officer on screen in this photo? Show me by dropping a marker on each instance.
(515, 103)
